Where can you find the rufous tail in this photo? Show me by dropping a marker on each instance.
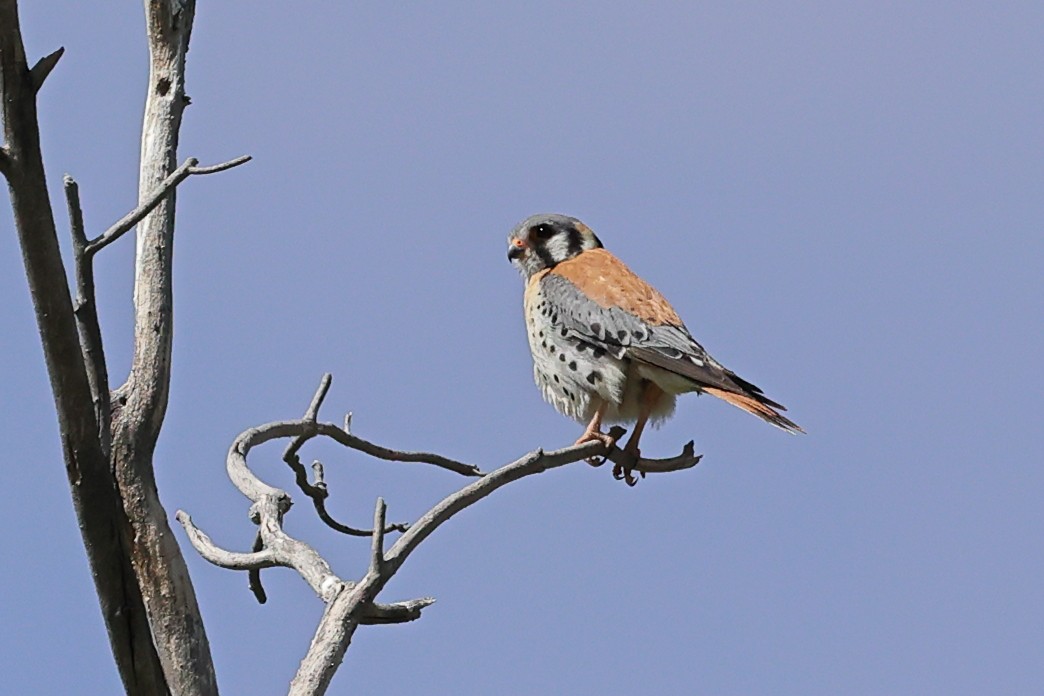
(751, 404)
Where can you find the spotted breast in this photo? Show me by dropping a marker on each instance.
(568, 369)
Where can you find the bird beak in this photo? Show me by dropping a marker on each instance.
(517, 249)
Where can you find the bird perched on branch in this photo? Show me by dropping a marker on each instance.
(607, 347)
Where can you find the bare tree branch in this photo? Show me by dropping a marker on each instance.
(332, 638)
(533, 463)
(345, 611)
(351, 604)
(357, 443)
(43, 68)
(86, 312)
(344, 437)
(262, 558)
(224, 166)
(400, 612)
(686, 460)
(165, 187)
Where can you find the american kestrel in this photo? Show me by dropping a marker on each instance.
(607, 347)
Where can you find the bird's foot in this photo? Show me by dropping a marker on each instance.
(624, 465)
(608, 439)
(628, 460)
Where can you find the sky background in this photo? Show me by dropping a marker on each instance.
(845, 201)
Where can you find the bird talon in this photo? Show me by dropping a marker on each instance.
(622, 471)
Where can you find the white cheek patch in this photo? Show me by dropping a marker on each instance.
(558, 247)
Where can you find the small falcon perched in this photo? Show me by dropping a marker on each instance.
(607, 347)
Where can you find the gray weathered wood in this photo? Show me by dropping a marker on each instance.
(140, 404)
(95, 499)
(351, 604)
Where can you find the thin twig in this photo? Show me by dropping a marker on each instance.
(215, 168)
(329, 521)
(310, 416)
(320, 395)
(86, 312)
(318, 494)
(128, 221)
(348, 440)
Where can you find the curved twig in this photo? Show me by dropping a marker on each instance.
(357, 443)
(264, 558)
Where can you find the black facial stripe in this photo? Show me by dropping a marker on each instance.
(575, 243)
(545, 255)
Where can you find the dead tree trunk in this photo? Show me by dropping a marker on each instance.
(147, 601)
(141, 402)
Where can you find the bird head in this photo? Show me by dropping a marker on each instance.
(545, 240)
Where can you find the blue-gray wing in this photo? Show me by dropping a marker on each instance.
(624, 335)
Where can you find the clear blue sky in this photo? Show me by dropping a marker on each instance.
(845, 201)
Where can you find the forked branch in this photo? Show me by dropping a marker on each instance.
(85, 307)
(353, 603)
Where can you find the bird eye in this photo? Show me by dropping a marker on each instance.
(543, 231)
